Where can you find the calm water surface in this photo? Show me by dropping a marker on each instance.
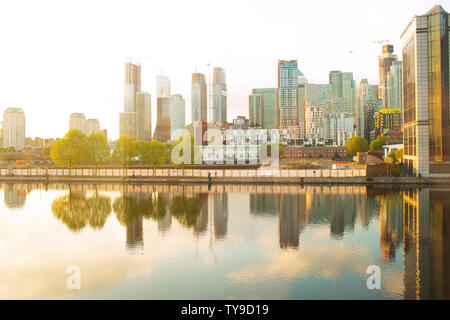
(230, 242)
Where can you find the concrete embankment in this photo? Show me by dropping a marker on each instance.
(405, 181)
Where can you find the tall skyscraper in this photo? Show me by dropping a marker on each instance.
(426, 121)
(177, 114)
(384, 66)
(162, 130)
(269, 107)
(78, 121)
(162, 86)
(127, 124)
(255, 111)
(219, 92)
(143, 116)
(363, 95)
(92, 126)
(199, 98)
(132, 85)
(287, 109)
(14, 128)
(394, 83)
(343, 92)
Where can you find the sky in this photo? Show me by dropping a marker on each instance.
(60, 57)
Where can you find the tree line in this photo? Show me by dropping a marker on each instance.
(75, 148)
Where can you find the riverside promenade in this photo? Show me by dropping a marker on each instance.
(217, 176)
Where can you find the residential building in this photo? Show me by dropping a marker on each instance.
(268, 107)
(394, 89)
(384, 66)
(199, 98)
(127, 124)
(287, 108)
(386, 120)
(255, 111)
(143, 116)
(177, 115)
(162, 86)
(314, 124)
(426, 121)
(162, 130)
(78, 121)
(219, 95)
(339, 128)
(240, 122)
(132, 85)
(371, 107)
(14, 128)
(92, 126)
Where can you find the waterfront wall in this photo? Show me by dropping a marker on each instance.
(119, 173)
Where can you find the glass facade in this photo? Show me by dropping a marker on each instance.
(409, 103)
(438, 86)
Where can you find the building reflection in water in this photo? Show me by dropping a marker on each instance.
(220, 207)
(391, 224)
(426, 236)
(15, 195)
(415, 223)
(201, 225)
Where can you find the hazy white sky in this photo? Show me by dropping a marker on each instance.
(59, 57)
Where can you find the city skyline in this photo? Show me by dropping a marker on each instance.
(100, 95)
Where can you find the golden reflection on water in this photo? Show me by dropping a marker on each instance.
(245, 241)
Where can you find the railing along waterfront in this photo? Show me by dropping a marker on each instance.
(183, 173)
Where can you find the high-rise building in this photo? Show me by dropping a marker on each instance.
(365, 92)
(394, 83)
(92, 126)
(162, 86)
(339, 127)
(78, 121)
(371, 107)
(177, 114)
(162, 130)
(426, 120)
(143, 116)
(219, 92)
(314, 124)
(384, 66)
(287, 108)
(14, 128)
(199, 100)
(132, 85)
(127, 124)
(349, 91)
(268, 107)
(387, 120)
(343, 92)
(255, 111)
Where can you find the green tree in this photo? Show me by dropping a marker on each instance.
(377, 144)
(357, 144)
(396, 155)
(71, 150)
(98, 151)
(125, 152)
(152, 153)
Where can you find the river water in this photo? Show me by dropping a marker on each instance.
(224, 242)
